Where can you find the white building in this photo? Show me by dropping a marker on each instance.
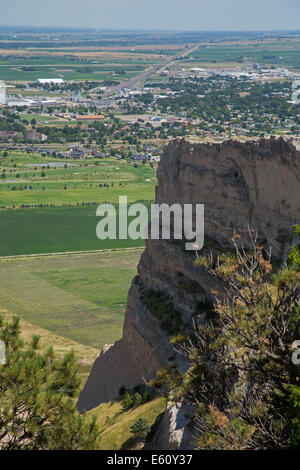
(3, 97)
(11, 101)
(56, 81)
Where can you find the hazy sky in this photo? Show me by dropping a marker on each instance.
(154, 14)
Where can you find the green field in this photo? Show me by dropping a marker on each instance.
(30, 180)
(78, 302)
(40, 118)
(75, 191)
(32, 70)
(53, 230)
(79, 297)
(55, 60)
(282, 53)
(77, 194)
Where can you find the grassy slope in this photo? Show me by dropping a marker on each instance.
(79, 297)
(115, 424)
(76, 275)
(86, 355)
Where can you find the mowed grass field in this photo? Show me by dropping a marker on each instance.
(78, 193)
(79, 297)
(33, 179)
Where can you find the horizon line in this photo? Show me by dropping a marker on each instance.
(97, 28)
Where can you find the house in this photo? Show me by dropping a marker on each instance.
(99, 155)
(157, 150)
(9, 134)
(141, 157)
(34, 135)
(59, 154)
(77, 154)
(33, 149)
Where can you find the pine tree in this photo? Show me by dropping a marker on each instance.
(140, 429)
(242, 380)
(37, 397)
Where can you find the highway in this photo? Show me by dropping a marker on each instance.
(136, 81)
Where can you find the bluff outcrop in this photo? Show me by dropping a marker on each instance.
(253, 183)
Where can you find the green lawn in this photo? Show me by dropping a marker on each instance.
(76, 194)
(31, 181)
(40, 118)
(79, 297)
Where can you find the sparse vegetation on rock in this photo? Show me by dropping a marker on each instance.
(162, 307)
(242, 380)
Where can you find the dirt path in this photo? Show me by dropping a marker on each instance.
(68, 253)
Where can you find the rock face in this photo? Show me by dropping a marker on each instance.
(171, 431)
(253, 183)
(240, 183)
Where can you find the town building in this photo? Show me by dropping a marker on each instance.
(90, 117)
(49, 81)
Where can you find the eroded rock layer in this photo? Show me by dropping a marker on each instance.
(241, 184)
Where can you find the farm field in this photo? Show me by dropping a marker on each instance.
(283, 53)
(84, 73)
(78, 297)
(53, 230)
(30, 66)
(77, 64)
(50, 206)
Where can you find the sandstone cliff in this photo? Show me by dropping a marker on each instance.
(240, 183)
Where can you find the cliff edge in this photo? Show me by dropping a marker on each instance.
(253, 183)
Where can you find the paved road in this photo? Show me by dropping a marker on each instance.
(139, 79)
